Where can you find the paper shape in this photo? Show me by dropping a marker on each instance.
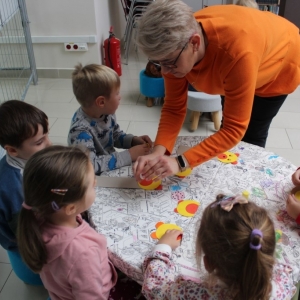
(297, 195)
(296, 192)
(149, 184)
(185, 173)
(161, 229)
(246, 194)
(228, 157)
(187, 208)
(278, 235)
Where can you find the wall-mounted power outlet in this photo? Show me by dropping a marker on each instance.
(76, 47)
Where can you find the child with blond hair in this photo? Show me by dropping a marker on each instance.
(94, 124)
(236, 239)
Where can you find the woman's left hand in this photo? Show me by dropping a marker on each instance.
(160, 167)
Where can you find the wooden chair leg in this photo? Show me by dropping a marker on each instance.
(192, 116)
(216, 119)
(195, 121)
(149, 101)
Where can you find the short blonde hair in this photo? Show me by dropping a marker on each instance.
(165, 27)
(91, 81)
(248, 3)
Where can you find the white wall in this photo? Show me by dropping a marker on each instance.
(71, 18)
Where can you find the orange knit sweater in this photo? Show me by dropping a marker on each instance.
(249, 52)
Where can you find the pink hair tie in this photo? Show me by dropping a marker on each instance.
(26, 206)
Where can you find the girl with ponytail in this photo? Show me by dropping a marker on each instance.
(54, 240)
(236, 240)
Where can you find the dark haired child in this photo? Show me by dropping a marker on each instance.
(94, 124)
(71, 257)
(23, 132)
(236, 239)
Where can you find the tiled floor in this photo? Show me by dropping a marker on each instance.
(55, 98)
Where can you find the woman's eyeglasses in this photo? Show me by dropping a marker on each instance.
(168, 65)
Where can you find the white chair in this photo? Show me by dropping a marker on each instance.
(199, 102)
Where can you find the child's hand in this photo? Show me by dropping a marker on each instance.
(139, 150)
(296, 177)
(171, 238)
(292, 206)
(138, 140)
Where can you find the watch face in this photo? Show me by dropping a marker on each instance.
(181, 161)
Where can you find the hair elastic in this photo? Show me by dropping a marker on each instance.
(253, 233)
(61, 192)
(26, 206)
(55, 206)
(227, 202)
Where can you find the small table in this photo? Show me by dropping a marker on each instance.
(128, 216)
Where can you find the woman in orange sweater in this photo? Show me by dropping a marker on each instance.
(251, 57)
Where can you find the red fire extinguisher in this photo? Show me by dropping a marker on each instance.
(113, 52)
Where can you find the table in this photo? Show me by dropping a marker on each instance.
(128, 216)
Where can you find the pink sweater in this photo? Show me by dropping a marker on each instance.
(77, 266)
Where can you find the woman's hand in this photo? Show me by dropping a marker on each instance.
(296, 177)
(155, 166)
(171, 238)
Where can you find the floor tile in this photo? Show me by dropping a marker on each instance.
(61, 127)
(278, 138)
(143, 128)
(58, 110)
(5, 270)
(58, 140)
(49, 95)
(294, 136)
(129, 97)
(292, 155)
(62, 84)
(138, 113)
(58, 96)
(291, 104)
(3, 256)
(51, 121)
(286, 120)
(124, 125)
(43, 83)
(15, 289)
(200, 131)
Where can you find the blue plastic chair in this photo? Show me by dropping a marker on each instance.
(22, 271)
(151, 87)
(2, 152)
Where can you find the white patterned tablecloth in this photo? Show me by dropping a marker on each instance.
(128, 216)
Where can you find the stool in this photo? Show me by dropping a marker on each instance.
(21, 269)
(151, 87)
(199, 102)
